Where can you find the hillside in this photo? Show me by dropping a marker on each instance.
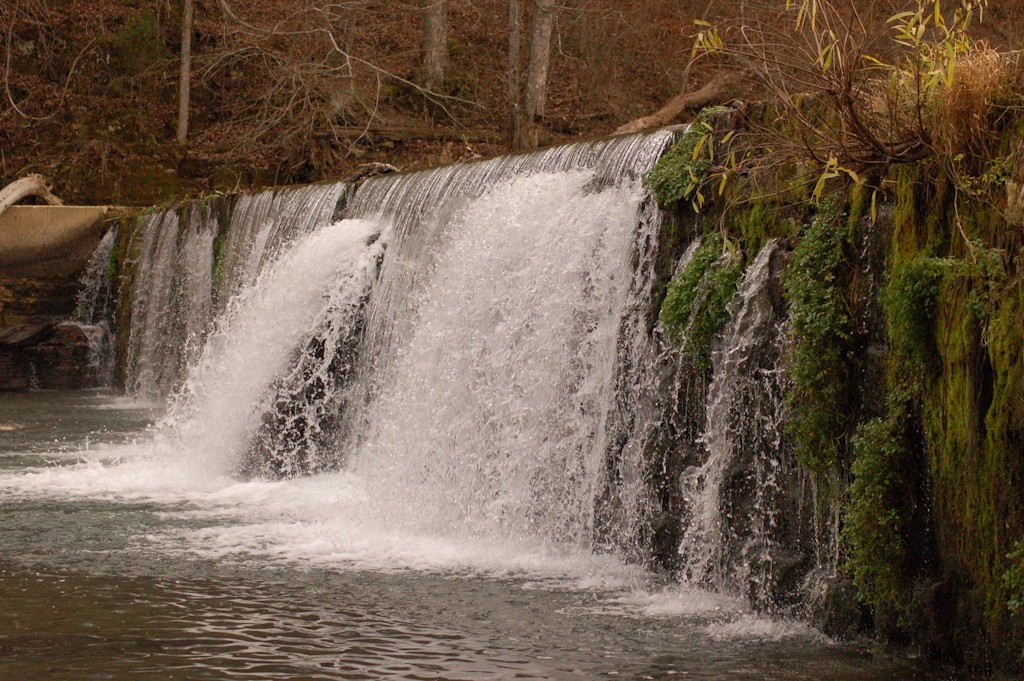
(91, 88)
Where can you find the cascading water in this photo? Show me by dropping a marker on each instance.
(316, 284)
(189, 265)
(94, 308)
(487, 374)
(474, 349)
(95, 294)
(471, 383)
(492, 410)
(261, 224)
(151, 361)
(735, 540)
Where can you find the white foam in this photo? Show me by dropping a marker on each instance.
(763, 628)
(212, 418)
(491, 415)
(681, 601)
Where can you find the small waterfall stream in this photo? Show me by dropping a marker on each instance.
(94, 307)
(191, 262)
(95, 295)
(727, 544)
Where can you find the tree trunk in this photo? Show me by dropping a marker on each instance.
(515, 30)
(184, 84)
(537, 72)
(30, 185)
(435, 43)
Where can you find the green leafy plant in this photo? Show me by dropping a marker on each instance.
(821, 329)
(681, 173)
(695, 306)
(876, 517)
(909, 301)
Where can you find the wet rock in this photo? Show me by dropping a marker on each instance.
(834, 608)
(930, 619)
(48, 356)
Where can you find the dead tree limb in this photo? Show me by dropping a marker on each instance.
(717, 90)
(30, 185)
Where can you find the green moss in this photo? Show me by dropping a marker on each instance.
(113, 268)
(909, 302)
(677, 307)
(905, 237)
(861, 196)
(694, 309)
(877, 516)
(710, 311)
(683, 169)
(220, 248)
(129, 240)
(755, 223)
(974, 423)
(820, 360)
(1013, 579)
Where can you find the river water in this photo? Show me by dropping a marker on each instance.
(116, 568)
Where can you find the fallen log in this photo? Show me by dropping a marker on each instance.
(30, 185)
(718, 90)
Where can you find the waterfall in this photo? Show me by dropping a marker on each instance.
(478, 346)
(95, 294)
(455, 337)
(150, 340)
(486, 384)
(315, 284)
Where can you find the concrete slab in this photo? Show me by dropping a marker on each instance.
(49, 241)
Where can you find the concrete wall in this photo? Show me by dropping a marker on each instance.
(49, 241)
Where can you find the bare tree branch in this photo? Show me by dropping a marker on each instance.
(30, 185)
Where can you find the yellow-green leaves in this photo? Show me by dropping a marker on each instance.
(831, 171)
(708, 39)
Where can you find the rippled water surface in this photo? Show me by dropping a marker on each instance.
(101, 581)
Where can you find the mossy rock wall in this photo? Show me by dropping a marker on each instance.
(920, 477)
(972, 408)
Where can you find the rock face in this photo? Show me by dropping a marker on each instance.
(50, 356)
